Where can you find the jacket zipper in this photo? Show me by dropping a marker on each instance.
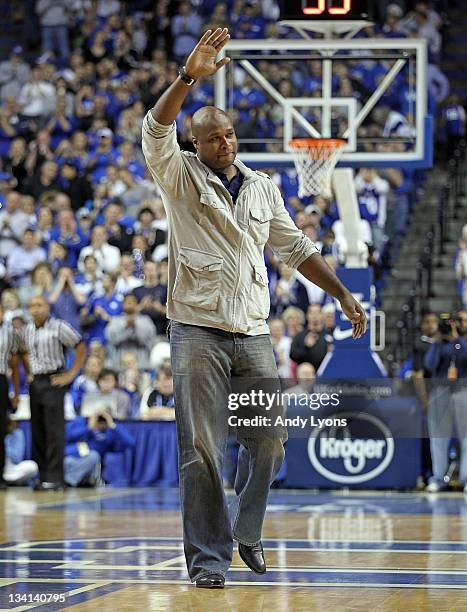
(237, 285)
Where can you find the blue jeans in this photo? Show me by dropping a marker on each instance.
(78, 468)
(55, 40)
(205, 362)
(447, 416)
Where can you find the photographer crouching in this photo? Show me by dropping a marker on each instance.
(446, 360)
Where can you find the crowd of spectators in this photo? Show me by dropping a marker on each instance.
(82, 223)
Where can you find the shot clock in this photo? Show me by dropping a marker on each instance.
(326, 10)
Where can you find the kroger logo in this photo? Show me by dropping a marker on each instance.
(339, 451)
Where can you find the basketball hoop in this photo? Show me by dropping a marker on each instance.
(315, 160)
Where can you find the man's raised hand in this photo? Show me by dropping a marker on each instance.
(202, 60)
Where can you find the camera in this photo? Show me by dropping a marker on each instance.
(445, 321)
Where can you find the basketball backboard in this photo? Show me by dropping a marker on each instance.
(340, 88)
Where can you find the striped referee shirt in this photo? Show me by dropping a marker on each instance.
(9, 343)
(46, 345)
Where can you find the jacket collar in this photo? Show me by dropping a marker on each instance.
(250, 175)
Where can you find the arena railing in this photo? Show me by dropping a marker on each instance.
(421, 290)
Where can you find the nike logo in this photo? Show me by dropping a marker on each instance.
(342, 334)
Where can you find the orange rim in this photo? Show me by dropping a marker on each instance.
(310, 143)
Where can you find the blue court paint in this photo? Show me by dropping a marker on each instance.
(280, 501)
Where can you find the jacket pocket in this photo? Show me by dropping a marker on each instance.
(209, 198)
(259, 224)
(198, 278)
(258, 307)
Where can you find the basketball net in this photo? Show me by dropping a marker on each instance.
(315, 160)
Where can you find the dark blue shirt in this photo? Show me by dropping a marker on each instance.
(67, 308)
(156, 399)
(158, 292)
(441, 355)
(233, 186)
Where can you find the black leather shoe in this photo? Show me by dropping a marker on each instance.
(59, 486)
(211, 581)
(49, 486)
(253, 557)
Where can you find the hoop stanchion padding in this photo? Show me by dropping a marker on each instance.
(315, 160)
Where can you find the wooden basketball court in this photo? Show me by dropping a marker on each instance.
(121, 549)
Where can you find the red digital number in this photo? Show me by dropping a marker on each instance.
(320, 6)
(314, 10)
(341, 10)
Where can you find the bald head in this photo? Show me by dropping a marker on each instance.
(208, 118)
(38, 299)
(214, 138)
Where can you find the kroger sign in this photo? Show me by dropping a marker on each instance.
(341, 458)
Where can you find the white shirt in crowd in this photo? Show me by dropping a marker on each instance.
(126, 285)
(12, 228)
(37, 99)
(284, 367)
(364, 231)
(397, 125)
(107, 257)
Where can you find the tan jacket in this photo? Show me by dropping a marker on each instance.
(217, 276)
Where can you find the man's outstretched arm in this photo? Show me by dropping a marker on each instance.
(298, 251)
(315, 269)
(200, 63)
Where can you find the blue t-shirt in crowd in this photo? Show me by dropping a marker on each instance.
(73, 244)
(113, 305)
(107, 441)
(369, 203)
(454, 118)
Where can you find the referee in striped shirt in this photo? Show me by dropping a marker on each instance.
(45, 340)
(8, 350)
